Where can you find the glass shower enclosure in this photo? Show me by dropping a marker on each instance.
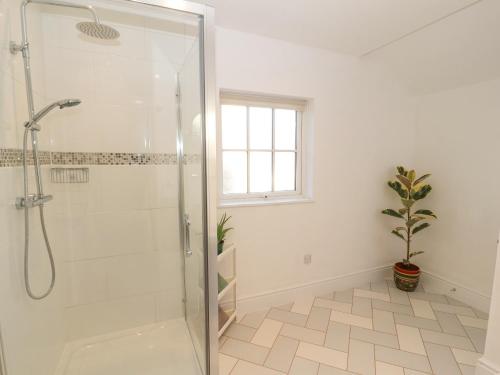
(130, 170)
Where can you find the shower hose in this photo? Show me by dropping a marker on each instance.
(42, 220)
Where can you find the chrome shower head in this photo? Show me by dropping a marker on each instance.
(42, 113)
(98, 30)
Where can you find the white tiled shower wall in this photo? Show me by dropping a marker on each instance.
(33, 332)
(120, 231)
(115, 239)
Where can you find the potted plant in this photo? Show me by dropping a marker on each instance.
(222, 231)
(410, 189)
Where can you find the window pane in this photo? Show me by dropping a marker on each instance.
(234, 126)
(285, 129)
(261, 171)
(284, 173)
(261, 128)
(234, 169)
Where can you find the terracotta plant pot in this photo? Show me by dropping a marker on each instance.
(406, 277)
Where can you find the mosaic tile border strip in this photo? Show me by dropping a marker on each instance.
(10, 157)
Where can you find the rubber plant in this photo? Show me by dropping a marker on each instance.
(222, 231)
(410, 190)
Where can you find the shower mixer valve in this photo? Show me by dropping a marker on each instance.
(33, 200)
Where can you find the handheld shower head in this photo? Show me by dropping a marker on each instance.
(65, 103)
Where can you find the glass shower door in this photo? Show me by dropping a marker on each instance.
(192, 202)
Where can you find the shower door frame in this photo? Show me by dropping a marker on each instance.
(209, 164)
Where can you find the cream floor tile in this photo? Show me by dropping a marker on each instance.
(323, 355)
(240, 332)
(282, 353)
(344, 296)
(473, 322)
(374, 337)
(361, 357)
(372, 295)
(410, 339)
(226, 364)
(247, 368)
(244, 350)
(431, 297)
(401, 358)
(398, 296)
(337, 336)
(416, 322)
(329, 370)
(285, 307)
(379, 286)
(287, 317)
(383, 321)
(422, 309)
(459, 310)
(267, 333)
(414, 372)
(393, 307)
(350, 319)
(303, 334)
(253, 320)
(450, 323)
(334, 305)
(442, 360)
(318, 318)
(466, 357)
(478, 337)
(446, 339)
(362, 306)
(387, 369)
(301, 366)
(467, 370)
(303, 305)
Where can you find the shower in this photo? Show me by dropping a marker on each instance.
(94, 29)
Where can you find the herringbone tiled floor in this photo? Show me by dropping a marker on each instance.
(376, 329)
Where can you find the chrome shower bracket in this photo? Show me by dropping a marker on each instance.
(14, 48)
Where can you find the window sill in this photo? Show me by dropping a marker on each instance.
(263, 201)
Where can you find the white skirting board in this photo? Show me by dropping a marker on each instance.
(485, 367)
(440, 285)
(262, 301)
(432, 284)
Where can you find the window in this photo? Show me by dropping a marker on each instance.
(261, 148)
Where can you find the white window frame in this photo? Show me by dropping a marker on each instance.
(271, 197)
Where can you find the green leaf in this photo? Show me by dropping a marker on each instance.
(426, 212)
(420, 227)
(411, 176)
(422, 192)
(401, 170)
(404, 181)
(396, 186)
(416, 253)
(420, 179)
(407, 202)
(413, 221)
(403, 211)
(391, 212)
(395, 232)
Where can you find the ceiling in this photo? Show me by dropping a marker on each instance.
(430, 45)
(348, 26)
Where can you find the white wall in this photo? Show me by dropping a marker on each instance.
(458, 141)
(363, 126)
(33, 331)
(489, 364)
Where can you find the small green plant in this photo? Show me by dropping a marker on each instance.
(222, 231)
(410, 189)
